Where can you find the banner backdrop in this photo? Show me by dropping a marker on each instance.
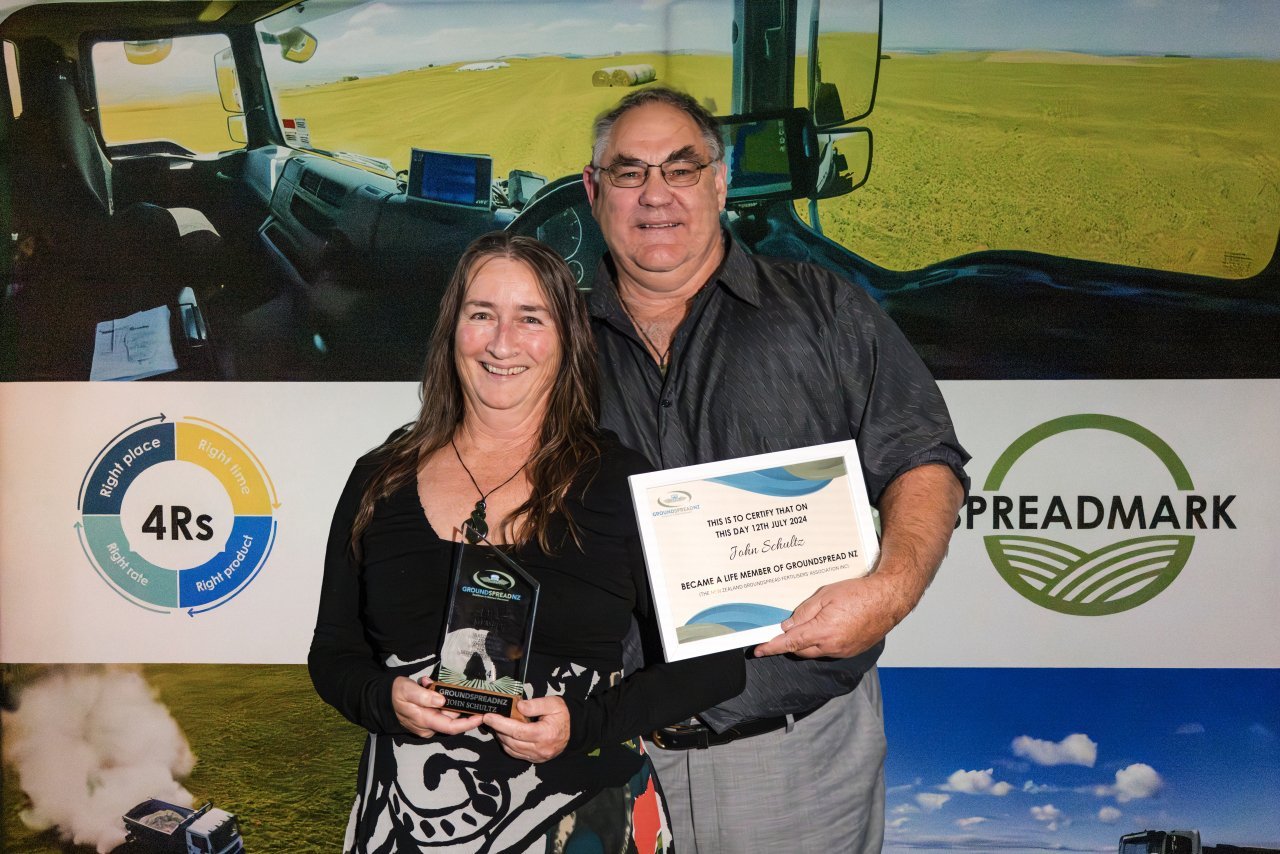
(1075, 671)
(1071, 211)
(1098, 519)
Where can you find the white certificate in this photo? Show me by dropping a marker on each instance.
(734, 546)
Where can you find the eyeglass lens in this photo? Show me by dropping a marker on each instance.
(677, 173)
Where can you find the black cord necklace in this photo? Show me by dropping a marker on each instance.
(661, 355)
(475, 528)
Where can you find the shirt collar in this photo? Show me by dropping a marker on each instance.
(736, 274)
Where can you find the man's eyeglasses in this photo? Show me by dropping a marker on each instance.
(632, 173)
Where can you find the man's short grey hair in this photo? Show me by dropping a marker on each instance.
(708, 127)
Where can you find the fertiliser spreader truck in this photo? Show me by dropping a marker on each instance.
(165, 828)
(1180, 842)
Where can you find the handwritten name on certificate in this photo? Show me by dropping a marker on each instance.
(732, 547)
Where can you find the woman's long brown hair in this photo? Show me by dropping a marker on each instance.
(568, 441)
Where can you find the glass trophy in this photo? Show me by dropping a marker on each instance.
(485, 645)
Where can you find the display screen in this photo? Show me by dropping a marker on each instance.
(456, 179)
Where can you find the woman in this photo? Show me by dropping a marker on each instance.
(506, 439)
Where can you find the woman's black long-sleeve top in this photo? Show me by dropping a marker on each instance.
(390, 604)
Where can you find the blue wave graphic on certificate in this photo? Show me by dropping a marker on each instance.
(787, 481)
(726, 619)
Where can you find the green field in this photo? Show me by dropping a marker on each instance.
(1167, 163)
(267, 748)
(1156, 162)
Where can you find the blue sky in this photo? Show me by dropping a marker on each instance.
(389, 35)
(1068, 760)
(448, 32)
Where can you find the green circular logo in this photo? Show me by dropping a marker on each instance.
(1114, 578)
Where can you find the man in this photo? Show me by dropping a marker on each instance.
(708, 353)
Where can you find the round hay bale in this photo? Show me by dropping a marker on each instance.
(624, 75)
(633, 75)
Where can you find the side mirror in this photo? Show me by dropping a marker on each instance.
(147, 52)
(224, 70)
(779, 155)
(296, 44)
(843, 59)
(844, 162)
(238, 129)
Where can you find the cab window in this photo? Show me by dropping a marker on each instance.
(521, 86)
(162, 90)
(1140, 134)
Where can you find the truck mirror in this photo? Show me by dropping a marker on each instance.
(238, 129)
(224, 70)
(844, 162)
(296, 44)
(843, 59)
(148, 51)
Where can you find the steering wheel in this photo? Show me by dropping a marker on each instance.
(560, 216)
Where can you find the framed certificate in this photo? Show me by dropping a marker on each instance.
(732, 547)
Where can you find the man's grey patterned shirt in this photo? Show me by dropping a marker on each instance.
(774, 355)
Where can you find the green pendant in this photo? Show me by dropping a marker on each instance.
(475, 528)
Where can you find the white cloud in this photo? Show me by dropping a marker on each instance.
(1132, 782)
(970, 822)
(904, 787)
(1031, 787)
(1075, 749)
(905, 809)
(1049, 814)
(929, 801)
(970, 782)
(898, 822)
(976, 783)
(1109, 815)
(1190, 729)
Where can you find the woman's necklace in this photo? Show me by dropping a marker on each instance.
(475, 528)
(661, 355)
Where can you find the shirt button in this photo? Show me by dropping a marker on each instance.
(666, 403)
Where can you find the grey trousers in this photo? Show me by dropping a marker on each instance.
(818, 787)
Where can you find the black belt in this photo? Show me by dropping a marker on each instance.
(699, 736)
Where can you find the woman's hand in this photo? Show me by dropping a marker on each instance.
(543, 737)
(419, 709)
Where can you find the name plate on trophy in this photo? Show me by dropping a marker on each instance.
(485, 647)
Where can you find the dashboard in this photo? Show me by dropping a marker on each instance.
(560, 216)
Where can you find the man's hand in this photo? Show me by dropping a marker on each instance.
(419, 709)
(542, 737)
(917, 514)
(841, 620)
